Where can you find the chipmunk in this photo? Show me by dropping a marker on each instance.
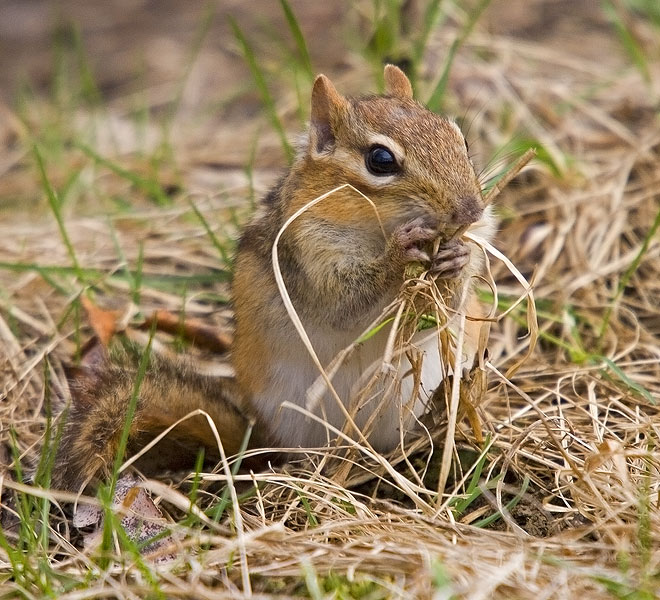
(342, 261)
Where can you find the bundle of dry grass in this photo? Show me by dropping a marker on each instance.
(550, 488)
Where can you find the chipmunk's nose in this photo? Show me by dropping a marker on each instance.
(468, 209)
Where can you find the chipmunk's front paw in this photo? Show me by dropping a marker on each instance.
(450, 260)
(408, 239)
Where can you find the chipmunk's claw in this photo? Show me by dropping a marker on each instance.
(450, 260)
(410, 236)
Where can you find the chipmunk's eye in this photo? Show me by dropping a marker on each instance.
(381, 161)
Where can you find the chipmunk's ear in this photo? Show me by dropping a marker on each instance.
(327, 106)
(396, 83)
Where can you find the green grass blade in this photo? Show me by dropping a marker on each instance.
(515, 148)
(24, 503)
(436, 100)
(107, 492)
(49, 269)
(148, 186)
(473, 491)
(385, 41)
(311, 517)
(625, 278)
(165, 149)
(131, 409)
(137, 278)
(122, 257)
(260, 82)
(648, 9)
(373, 331)
(298, 38)
(509, 505)
(223, 503)
(164, 282)
(312, 581)
(222, 251)
(249, 171)
(88, 88)
(200, 35)
(630, 44)
(54, 203)
(620, 374)
(431, 14)
(197, 479)
(441, 581)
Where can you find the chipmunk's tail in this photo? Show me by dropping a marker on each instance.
(102, 393)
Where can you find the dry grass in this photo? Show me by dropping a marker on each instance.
(576, 427)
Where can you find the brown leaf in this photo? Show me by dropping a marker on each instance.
(103, 322)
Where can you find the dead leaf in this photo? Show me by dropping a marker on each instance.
(105, 323)
(141, 519)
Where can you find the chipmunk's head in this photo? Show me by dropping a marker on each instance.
(406, 159)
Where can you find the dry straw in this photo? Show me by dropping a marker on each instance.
(578, 419)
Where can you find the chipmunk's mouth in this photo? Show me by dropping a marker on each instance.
(459, 211)
(467, 211)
